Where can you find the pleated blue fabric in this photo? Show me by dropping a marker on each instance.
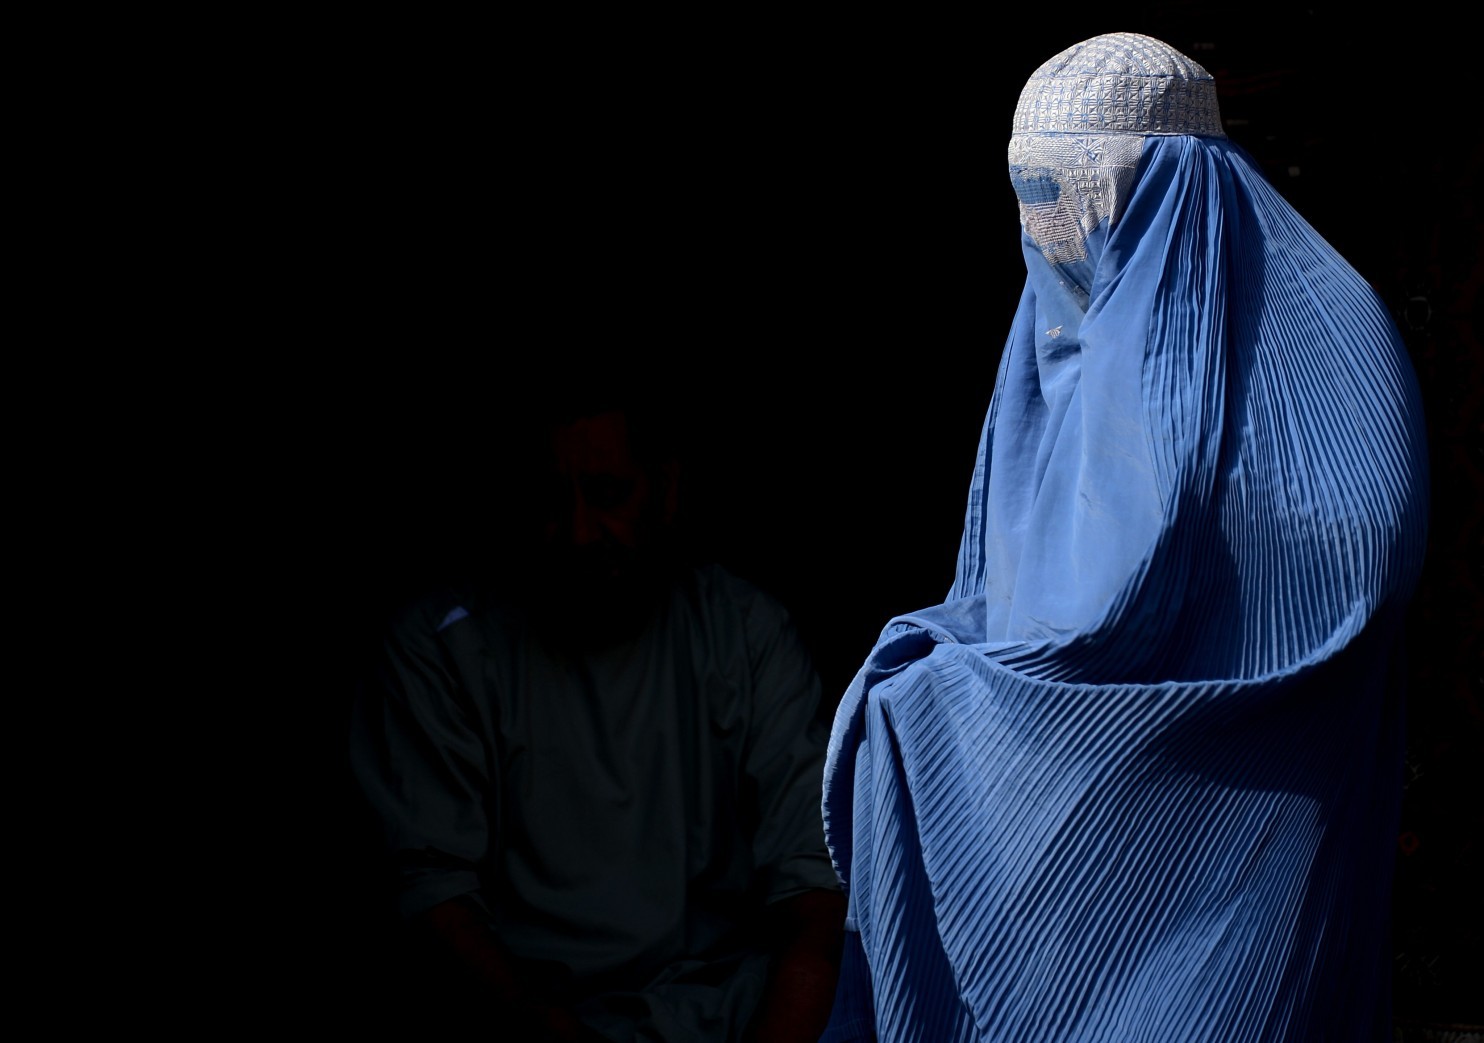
(1137, 777)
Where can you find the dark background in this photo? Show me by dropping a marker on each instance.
(803, 227)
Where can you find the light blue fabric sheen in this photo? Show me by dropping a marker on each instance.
(1137, 776)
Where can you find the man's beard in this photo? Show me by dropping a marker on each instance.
(599, 596)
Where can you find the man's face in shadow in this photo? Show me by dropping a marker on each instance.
(608, 523)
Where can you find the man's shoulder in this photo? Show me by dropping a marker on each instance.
(718, 584)
(741, 603)
(436, 609)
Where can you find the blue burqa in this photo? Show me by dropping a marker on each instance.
(1137, 777)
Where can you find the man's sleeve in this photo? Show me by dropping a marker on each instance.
(785, 758)
(422, 767)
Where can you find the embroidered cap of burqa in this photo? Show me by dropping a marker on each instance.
(1138, 776)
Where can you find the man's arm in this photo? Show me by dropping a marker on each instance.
(510, 1007)
(807, 933)
(785, 765)
(427, 778)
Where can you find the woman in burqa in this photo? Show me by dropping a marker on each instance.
(1137, 778)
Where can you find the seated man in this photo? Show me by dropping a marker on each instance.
(599, 790)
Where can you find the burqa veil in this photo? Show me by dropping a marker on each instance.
(1137, 777)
